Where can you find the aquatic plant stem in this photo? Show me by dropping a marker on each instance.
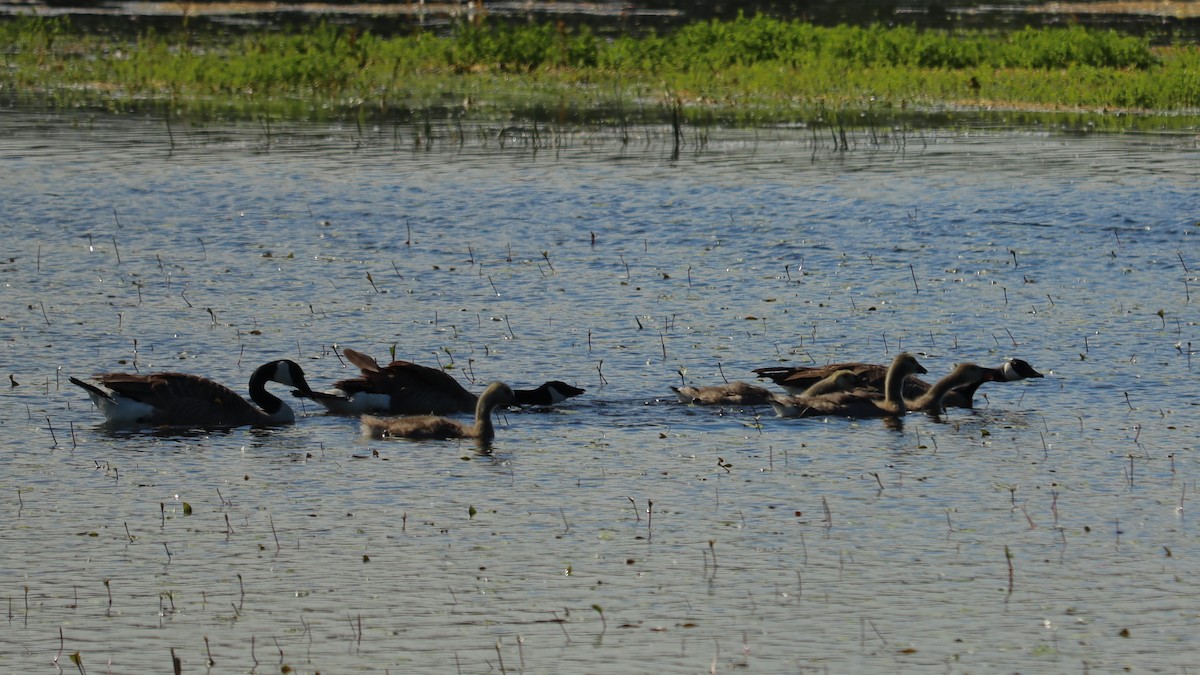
(1009, 559)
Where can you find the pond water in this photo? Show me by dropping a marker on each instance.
(1049, 530)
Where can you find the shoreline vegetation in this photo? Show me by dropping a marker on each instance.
(752, 71)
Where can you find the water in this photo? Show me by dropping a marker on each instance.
(622, 532)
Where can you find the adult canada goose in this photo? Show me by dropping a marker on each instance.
(404, 388)
(858, 402)
(797, 379)
(182, 399)
(548, 393)
(1009, 371)
(744, 393)
(431, 426)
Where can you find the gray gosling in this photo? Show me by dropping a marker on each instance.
(732, 393)
(746, 394)
(858, 402)
(495, 396)
(839, 380)
(797, 379)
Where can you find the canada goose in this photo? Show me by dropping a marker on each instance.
(858, 402)
(744, 393)
(402, 388)
(1010, 371)
(730, 393)
(838, 380)
(430, 426)
(796, 380)
(182, 399)
(548, 393)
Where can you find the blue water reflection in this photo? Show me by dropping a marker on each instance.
(770, 544)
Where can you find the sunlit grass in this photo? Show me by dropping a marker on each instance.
(751, 70)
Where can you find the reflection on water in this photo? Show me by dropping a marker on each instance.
(619, 528)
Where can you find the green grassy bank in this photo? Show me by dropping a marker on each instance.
(748, 71)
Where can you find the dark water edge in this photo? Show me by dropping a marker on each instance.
(549, 123)
(1160, 23)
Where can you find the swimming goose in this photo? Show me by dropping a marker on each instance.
(964, 375)
(548, 393)
(858, 402)
(1010, 371)
(182, 399)
(838, 380)
(402, 388)
(744, 393)
(796, 379)
(430, 426)
(730, 393)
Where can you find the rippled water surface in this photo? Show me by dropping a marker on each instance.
(1049, 530)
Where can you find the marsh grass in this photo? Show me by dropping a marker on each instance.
(746, 71)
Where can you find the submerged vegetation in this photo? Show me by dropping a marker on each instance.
(751, 70)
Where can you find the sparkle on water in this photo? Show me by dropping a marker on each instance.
(1048, 530)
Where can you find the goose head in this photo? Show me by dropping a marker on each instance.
(549, 393)
(908, 364)
(1017, 369)
(497, 395)
(289, 374)
(285, 372)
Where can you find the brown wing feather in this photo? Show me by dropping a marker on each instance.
(364, 362)
(870, 375)
(411, 388)
(421, 389)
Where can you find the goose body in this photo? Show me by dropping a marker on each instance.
(731, 393)
(838, 380)
(184, 399)
(405, 388)
(857, 402)
(963, 375)
(746, 394)
(796, 380)
(496, 395)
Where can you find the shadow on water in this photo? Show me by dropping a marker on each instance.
(122, 431)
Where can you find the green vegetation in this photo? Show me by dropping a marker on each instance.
(751, 70)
